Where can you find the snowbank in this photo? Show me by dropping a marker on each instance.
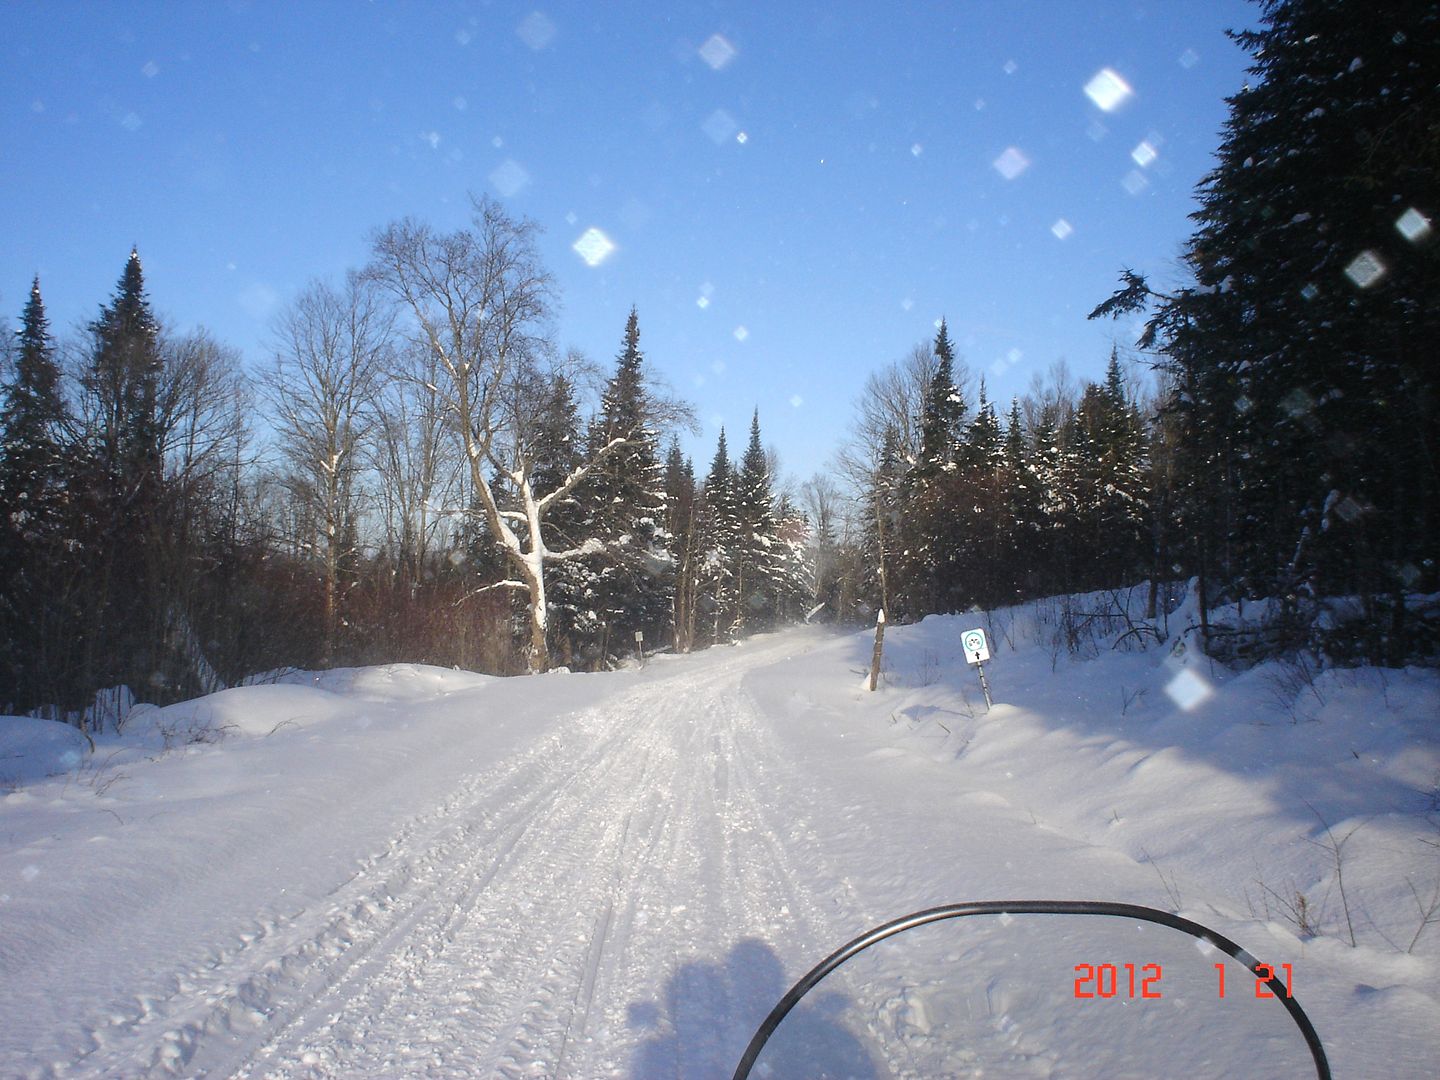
(32, 749)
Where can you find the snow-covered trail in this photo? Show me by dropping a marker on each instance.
(551, 897)
(553, 914)
(618, 875)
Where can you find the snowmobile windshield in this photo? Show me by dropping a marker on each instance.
(1042, 988)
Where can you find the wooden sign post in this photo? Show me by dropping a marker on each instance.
(879, 649)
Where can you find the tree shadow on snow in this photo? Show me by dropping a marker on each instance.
(710, 1009)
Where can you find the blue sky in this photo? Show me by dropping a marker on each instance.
(794, 192)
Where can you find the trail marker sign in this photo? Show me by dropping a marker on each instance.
(977, 650)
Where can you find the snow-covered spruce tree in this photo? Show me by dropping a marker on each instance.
(574, 624)
(480, 299)
(942, 423)
(1022, 509)
(633, 576)
(930, 551)
(980, 510)
(33, 499)
(1052, 469)
(1105, 439)
(758, 557)
(719, 531)
(1306, 337)
(794, 558)
(119, 521)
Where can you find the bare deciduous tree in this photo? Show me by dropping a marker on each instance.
(332, 346)
(415, 459)
(481, 301)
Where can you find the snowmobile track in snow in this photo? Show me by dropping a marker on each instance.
(509, 930)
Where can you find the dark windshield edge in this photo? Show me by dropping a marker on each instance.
(1029, 907)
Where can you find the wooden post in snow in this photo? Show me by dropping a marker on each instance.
(879, 649)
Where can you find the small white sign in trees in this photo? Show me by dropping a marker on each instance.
(977, 651)
(640, 645)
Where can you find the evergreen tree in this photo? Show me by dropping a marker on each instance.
(35, 630)
(983, 449)
(1053, 470)
(719, 530)
(124, 385)
(573, 623)
(943, 418)
(1300, 355)
(1022, 535)
(978, 515)
(122, 485)
(930, 540)
(32, 428)
(758, 558)
(627, 499)
(795, 585)
(680, 524)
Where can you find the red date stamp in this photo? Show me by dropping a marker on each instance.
(1142, 982)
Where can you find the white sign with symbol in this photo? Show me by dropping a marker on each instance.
(976, 649)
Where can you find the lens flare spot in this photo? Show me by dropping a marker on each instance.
(1144, 154)
(1189, 58)
(1309, 292)
(1365, 269)
(150, 70)
(718, 52)
(719, 126)
(916, 149)
(131, 122)
(741, 333)
(1062, 229)
(1011, 163)
(742, 138)
(1010, 67)
(536, 30)
(1189, 690)
(1414, 226)
(594, 246)
(431, 137)
(1108, 90)
(1135, 182)
(796, 401)
(1297, 403)
(702, 302)
(509, 178)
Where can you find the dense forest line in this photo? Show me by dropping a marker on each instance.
(420, 474)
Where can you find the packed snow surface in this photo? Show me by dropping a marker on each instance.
(406, 871)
